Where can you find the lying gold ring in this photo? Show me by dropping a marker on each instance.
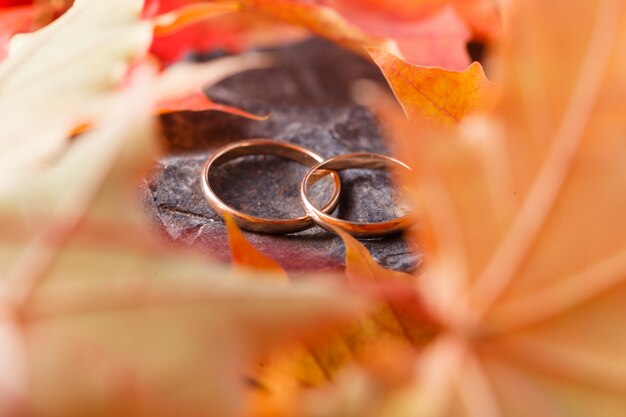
(265, 147)
(341, 162)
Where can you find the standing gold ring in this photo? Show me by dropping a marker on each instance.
(266, 147)
(347, 161)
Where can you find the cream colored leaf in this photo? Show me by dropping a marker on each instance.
(133, 326)
(525, 211)
(62, 75)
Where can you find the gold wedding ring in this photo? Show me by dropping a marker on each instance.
(319, 168)
(358, 229)
(266, 147)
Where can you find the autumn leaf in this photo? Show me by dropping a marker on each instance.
(319, 19)
(395, 9)
(41, 86)
(14, 20)
(179, 87)
(189, 14)
(246, 256)
(484, 16)
(404, 317)
(400, 320)
(523, 206)
(41, 83)
(298, 365)
(198, 101)
(432, 39)
(91, 295)
(515, 311)
(436, 96)
(437, 39)
(233, 32)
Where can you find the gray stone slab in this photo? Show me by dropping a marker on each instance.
(308, 95)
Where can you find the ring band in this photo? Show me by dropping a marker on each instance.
(266, 147)
(347, 161)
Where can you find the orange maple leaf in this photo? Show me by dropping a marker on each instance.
(525, 264)
(189, 14)
(400, 320)
(405, 317)
(246, 256)
(436, 96)
(198, 101)
(525, 261)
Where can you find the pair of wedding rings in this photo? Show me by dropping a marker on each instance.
(319, 168)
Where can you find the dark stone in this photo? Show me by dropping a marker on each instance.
(308, 95)
(477, 50)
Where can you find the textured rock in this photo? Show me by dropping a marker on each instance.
(308, 96)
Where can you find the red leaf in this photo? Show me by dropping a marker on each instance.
(12, 21)
(199, 102)
(437, 39)
(12, 3)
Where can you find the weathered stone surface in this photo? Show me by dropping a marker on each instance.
(308, 96)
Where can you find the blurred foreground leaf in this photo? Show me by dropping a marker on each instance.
(132, 326)
(522, 221)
